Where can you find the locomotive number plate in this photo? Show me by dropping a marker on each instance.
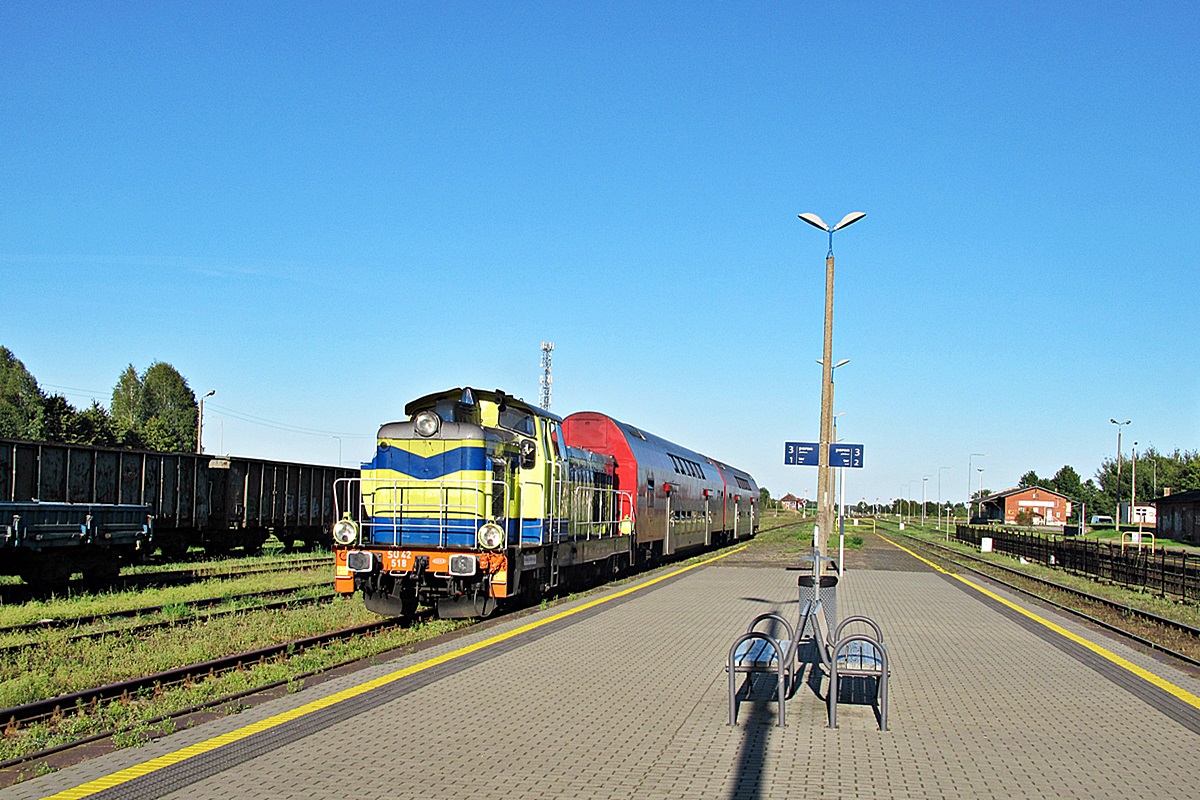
(405, 560)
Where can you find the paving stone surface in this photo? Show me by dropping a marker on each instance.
(629, 700)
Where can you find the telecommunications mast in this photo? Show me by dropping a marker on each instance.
(546, 380)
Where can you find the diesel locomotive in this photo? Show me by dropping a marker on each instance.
(479, 499)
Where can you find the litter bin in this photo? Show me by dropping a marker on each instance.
(828, 588)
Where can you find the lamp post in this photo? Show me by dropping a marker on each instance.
(1118, 492)
(940, 502)
(980, 471)
(200, 423)
(1133, 487)
(824, 482)
(924, 484)
(968, 500)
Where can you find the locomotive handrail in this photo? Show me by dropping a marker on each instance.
(608, 521)
(401, 505)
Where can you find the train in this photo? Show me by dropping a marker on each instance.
(480, 500)
(68, 508)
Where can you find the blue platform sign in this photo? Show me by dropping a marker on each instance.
(845, 455)
(802, 454)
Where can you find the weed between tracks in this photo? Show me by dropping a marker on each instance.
(85, 604)
(50, 672)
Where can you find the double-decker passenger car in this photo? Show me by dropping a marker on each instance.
(479, 498)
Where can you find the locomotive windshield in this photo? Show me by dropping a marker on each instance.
(517, 420)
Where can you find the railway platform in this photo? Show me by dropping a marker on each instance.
(623, 694)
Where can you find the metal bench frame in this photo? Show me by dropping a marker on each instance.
(857, 655)
(758, 653)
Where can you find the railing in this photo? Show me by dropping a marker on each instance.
(584, 502)
(409, 510)
(443, 507)
(1174, 573)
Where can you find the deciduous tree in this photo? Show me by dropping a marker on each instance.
(21, 400)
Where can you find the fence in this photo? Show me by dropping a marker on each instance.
(1167, 573)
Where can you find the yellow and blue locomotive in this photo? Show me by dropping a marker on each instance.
(474, 500)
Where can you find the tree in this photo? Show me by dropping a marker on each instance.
(92, 426)
(1066, 481)
(126, 408)
(156, 410)
(764, 497)
(21, 400)
(55, 419)
(170, 408)
(1031, 479)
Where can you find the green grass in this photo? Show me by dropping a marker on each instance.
(52, 671)
(1185, 612)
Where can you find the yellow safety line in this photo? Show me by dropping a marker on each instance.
(1144, 674)
(191, 751)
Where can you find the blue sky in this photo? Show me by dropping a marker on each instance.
(324, 210)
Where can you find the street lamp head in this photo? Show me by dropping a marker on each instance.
(210, 393)
(843, 362)
(850, 219)
(815, 221)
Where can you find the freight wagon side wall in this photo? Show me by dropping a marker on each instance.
(182, 490)
(173, 485)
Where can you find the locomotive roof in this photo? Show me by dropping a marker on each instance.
(490, 395)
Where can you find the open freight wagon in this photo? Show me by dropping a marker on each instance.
(218, 502)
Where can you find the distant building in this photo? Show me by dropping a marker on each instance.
(1037, 505)
(790, 502)
(1179, 516)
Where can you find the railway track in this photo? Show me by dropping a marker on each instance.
(88, 701)
(13, 719)
(289, 601)
(22, 593)
(1149, 619)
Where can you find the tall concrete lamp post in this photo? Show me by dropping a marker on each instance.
(200, 422)
(824, 474)
(940, 504)
(967, 502)
(1118, 492)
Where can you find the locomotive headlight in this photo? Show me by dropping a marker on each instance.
(345, 531)
(491, 536)
(427, 423)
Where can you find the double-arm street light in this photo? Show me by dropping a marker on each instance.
(824, 482)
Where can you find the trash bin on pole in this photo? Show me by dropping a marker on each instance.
(827, 588)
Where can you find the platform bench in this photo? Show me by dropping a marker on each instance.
(758, 652)
(859, 655)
